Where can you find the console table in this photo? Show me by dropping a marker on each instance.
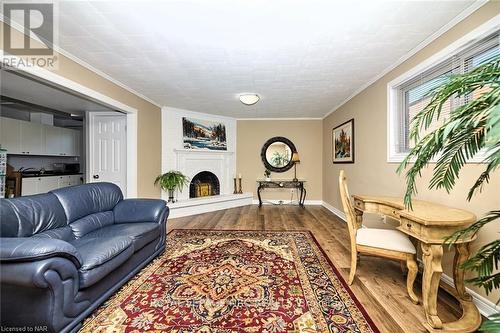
(299, 184)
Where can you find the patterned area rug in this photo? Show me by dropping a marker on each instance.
(235, 281)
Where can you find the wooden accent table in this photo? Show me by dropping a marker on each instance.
(298, 184)
(431, 223)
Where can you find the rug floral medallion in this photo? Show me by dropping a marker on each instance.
(235, 281)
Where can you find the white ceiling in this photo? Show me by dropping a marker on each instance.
(303, 57)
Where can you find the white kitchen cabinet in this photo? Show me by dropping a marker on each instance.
(78, 142)
(37, 185)
(68, 143)
(10, 135)
(62, 141)
(30, 186)
(48, 184)
(32, 138)
(29, 138)
(63, 181)
(75, 180)
(52, 140)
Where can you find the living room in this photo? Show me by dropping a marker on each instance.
(250, 166)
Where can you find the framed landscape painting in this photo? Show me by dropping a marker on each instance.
(343, 142)
(203, 134)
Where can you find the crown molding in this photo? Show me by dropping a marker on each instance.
(457, 19)
(260, 119)
(103, 75)
(86, 65)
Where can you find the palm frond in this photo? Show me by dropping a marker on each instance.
(462, 136)
(471, 128)
(492, 325)
(473, 228)
(493, 161)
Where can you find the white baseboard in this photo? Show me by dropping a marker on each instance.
(485, 306)
(335, 211)
(287, 202)
(208, 204)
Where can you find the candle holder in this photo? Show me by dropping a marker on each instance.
(240, 191)
(235, 186)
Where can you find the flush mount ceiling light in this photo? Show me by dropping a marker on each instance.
(249, 99)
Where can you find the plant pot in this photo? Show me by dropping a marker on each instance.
(268, 179)
(171, 196)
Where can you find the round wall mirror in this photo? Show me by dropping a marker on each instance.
(277, 153)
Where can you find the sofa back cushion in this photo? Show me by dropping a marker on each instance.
(26, 216)
(62, 233)
(91, 222)
(82, 200)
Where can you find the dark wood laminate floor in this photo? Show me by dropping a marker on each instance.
(379, 284)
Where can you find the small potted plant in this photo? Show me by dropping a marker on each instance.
(267, 174)
(170, 181)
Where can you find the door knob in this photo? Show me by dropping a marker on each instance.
(95, 176)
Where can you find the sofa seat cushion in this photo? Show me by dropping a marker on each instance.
(141, 233)
(101, 255)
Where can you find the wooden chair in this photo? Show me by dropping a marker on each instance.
(386, 243)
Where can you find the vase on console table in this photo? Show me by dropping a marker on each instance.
(267, 174)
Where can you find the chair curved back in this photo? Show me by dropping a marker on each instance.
(348, 207)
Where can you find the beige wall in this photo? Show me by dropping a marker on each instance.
(371, 174)
(149, 120)
(306, 136)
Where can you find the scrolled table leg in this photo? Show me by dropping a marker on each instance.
(461, 255)
(432, 255)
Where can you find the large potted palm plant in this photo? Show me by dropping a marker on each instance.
(471, 128)
(170, 181)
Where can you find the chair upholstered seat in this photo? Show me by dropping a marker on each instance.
(386, 239)
(377, 236)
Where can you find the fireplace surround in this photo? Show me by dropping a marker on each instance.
(221, 164)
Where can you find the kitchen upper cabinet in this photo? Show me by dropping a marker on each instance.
(10, 135)
(32, 138)
(62, 141)
(68, 142)
(52, 140)
(78, 142)
(29, 138)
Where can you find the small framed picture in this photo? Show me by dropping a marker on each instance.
(343, 142)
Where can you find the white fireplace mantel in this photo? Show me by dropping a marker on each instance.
(222, 163)
(219, 163)
(197, 151)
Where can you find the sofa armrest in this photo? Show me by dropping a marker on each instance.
(34, 249)
(141, 210)
(40, 293)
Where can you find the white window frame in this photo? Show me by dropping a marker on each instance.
(393, 93)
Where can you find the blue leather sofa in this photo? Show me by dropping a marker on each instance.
(65, 252)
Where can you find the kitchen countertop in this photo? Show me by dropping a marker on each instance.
(51, 174)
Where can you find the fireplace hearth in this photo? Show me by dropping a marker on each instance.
(204, 184)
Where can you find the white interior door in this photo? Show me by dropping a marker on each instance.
(108, 148)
